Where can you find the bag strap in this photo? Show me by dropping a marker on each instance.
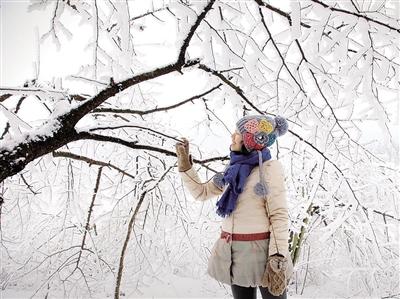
(260, 163)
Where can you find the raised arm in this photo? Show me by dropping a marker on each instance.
(200, 191)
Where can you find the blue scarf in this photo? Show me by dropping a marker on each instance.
(236, 174)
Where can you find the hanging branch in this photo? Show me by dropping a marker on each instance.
(279, 52)
(130, 228)
(87, 226)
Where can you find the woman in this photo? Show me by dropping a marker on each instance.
(253, 248)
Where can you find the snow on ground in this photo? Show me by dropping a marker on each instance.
(175, 286)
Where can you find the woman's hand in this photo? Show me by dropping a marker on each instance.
(275, 276)
(184, 158)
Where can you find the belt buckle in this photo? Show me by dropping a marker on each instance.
(228, 237)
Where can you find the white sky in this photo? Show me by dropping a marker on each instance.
(18, 46)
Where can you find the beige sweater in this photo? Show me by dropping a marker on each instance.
(250, 214)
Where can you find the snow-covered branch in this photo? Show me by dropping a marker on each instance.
(60, 131)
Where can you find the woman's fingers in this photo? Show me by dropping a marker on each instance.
(186, 143)
(180, 151)
(178, 145)
(182, 148)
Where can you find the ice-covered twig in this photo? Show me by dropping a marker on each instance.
(357, 14)
(154, 110)
(6, 92)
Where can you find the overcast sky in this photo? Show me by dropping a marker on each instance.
(18, 41)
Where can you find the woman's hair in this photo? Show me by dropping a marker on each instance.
(244, 150)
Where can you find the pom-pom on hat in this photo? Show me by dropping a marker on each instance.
(259, 131)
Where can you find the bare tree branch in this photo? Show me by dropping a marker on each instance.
(154, 110)
(91, 161)
(280, 12)
(136, 145)
(279, 52)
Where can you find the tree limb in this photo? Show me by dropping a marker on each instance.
(60, 131)
(91, 161)
(154, 110)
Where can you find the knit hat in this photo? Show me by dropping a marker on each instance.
(259, 131)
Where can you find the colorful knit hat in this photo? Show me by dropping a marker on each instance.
(259, 131)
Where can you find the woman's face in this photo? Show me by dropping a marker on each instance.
(237, 141)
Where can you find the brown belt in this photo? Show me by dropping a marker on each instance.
(244, 237)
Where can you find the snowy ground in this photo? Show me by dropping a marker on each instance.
(181, 287)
